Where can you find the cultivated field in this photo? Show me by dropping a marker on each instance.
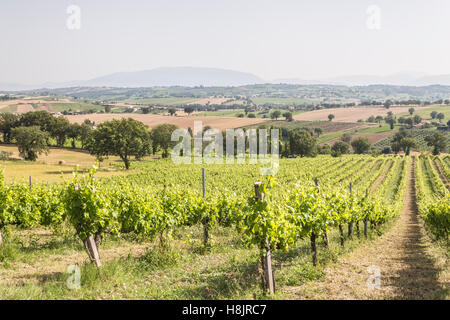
(153, 259)
(152, 120)
(352, 114)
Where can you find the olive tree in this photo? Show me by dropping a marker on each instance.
(31, 142)
(123, 138)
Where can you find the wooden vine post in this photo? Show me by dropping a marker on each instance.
(1, 239)
(268, 281)
(205, 220)
(366, 218)
(92, 250)
(350, 224)
(325, 232)
(341, 234)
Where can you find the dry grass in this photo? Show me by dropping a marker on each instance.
(152, 120)
(47, 167)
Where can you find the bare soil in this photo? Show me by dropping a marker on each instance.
(152, 120)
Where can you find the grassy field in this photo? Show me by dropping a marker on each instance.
(161, 101)
(220, 113)
(47, 168)
(285, 101)
(60, 107)
(425, 114)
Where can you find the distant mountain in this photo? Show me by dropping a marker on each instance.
(397, 79)
(176, 76)
(213, 77)
(15, 86)
(164, 77)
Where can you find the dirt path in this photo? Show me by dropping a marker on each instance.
(409, 268)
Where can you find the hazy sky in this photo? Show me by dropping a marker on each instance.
(272, 39)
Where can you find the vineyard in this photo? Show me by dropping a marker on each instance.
(313, 208)
(418, 135)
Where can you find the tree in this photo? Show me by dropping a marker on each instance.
(107, 108)
(275, 114)
(361, 145)
(84, 133)
(251, 115)
(302, 143)
(288, 116)
(403, 140)
(390, 119)
(123, 138)
(346, 137)
(8, 121)
(162, 138)
(188, 110)
(378, 119)
(438, 141)
(172, 111)
(73, 133)
(43, 119)
(339, 148)
(318, 131)
(146, 110)
(387, 104)
(411, 111)
(417, 119)
(396, 147)
(31, 142)
(324, 149)
(60, 130)
(433, 114)
(440, 116)
(448, 124)
(407, 144)
(330, 117)
(409, 122)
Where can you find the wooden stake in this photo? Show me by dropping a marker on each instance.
(205, 221)
(366, 219)
(341, 233)
(268, 280)
(1, 239)
(325, 233)
(357, 230)
(268, 269)
(350, 224)
(314, 249)
(93, 251)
